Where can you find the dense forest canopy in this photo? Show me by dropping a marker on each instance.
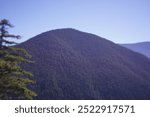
(70, 64)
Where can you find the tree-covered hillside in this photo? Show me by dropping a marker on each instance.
(70, 64)
(142, 47)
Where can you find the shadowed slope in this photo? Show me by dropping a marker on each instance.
(143, 48)
(70, 64)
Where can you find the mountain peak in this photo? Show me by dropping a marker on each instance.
(70, 64)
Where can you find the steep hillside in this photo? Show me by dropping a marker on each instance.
(143, 48)
(70, 64)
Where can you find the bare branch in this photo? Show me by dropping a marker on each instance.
(8, 42)
(12, 36)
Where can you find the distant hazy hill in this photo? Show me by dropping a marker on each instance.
(70, 64)
(143, 47)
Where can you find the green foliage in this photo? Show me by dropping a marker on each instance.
(13, 78)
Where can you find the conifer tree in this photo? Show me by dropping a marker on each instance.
(14, 80)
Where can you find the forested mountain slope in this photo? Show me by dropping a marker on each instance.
(142, 47)
(70, 64)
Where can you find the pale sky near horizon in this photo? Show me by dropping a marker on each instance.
(121, 21)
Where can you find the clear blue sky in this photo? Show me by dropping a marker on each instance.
(121, 21)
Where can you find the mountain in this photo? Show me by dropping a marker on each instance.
(70, 64)
(142, 47)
